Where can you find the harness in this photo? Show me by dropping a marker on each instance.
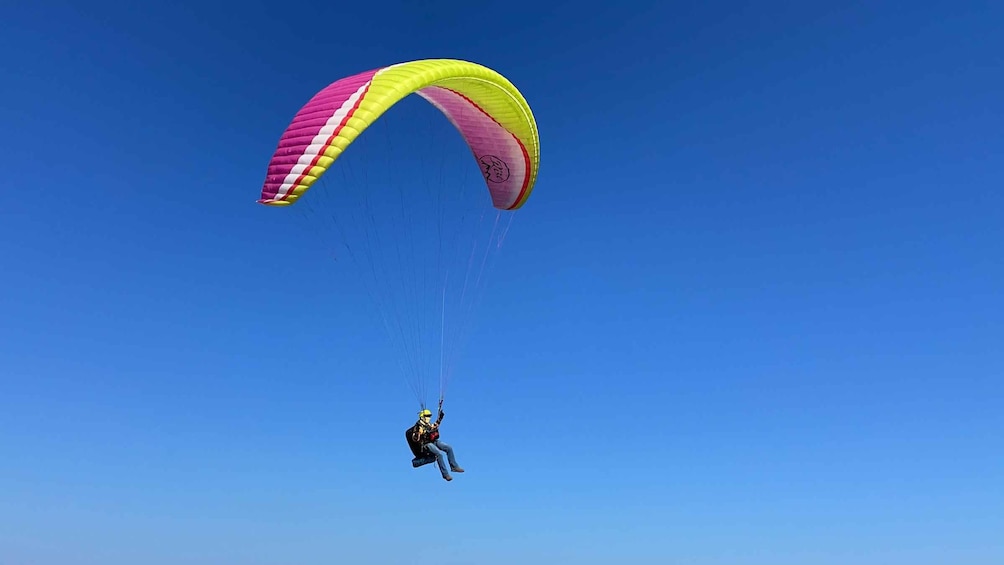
(427, 434)
(424, 437)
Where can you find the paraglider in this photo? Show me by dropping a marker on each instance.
(423, 440)
(497, 127)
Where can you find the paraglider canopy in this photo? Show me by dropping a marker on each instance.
(501, 133)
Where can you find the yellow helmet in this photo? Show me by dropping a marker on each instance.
(425, 413)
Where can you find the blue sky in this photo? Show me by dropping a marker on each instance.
(752, 313)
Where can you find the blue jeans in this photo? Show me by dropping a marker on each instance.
(437, 448)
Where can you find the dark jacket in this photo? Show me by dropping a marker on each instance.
(419, 435)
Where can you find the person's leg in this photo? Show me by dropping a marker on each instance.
(449, 453)
(439, 458)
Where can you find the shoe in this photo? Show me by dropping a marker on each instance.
(457, 470)
(447, 478)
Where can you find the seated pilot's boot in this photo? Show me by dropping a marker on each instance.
(457, 470)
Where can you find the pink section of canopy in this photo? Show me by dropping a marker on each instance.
(500, 155)
(292, 158)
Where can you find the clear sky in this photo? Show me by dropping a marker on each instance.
(752, 313)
